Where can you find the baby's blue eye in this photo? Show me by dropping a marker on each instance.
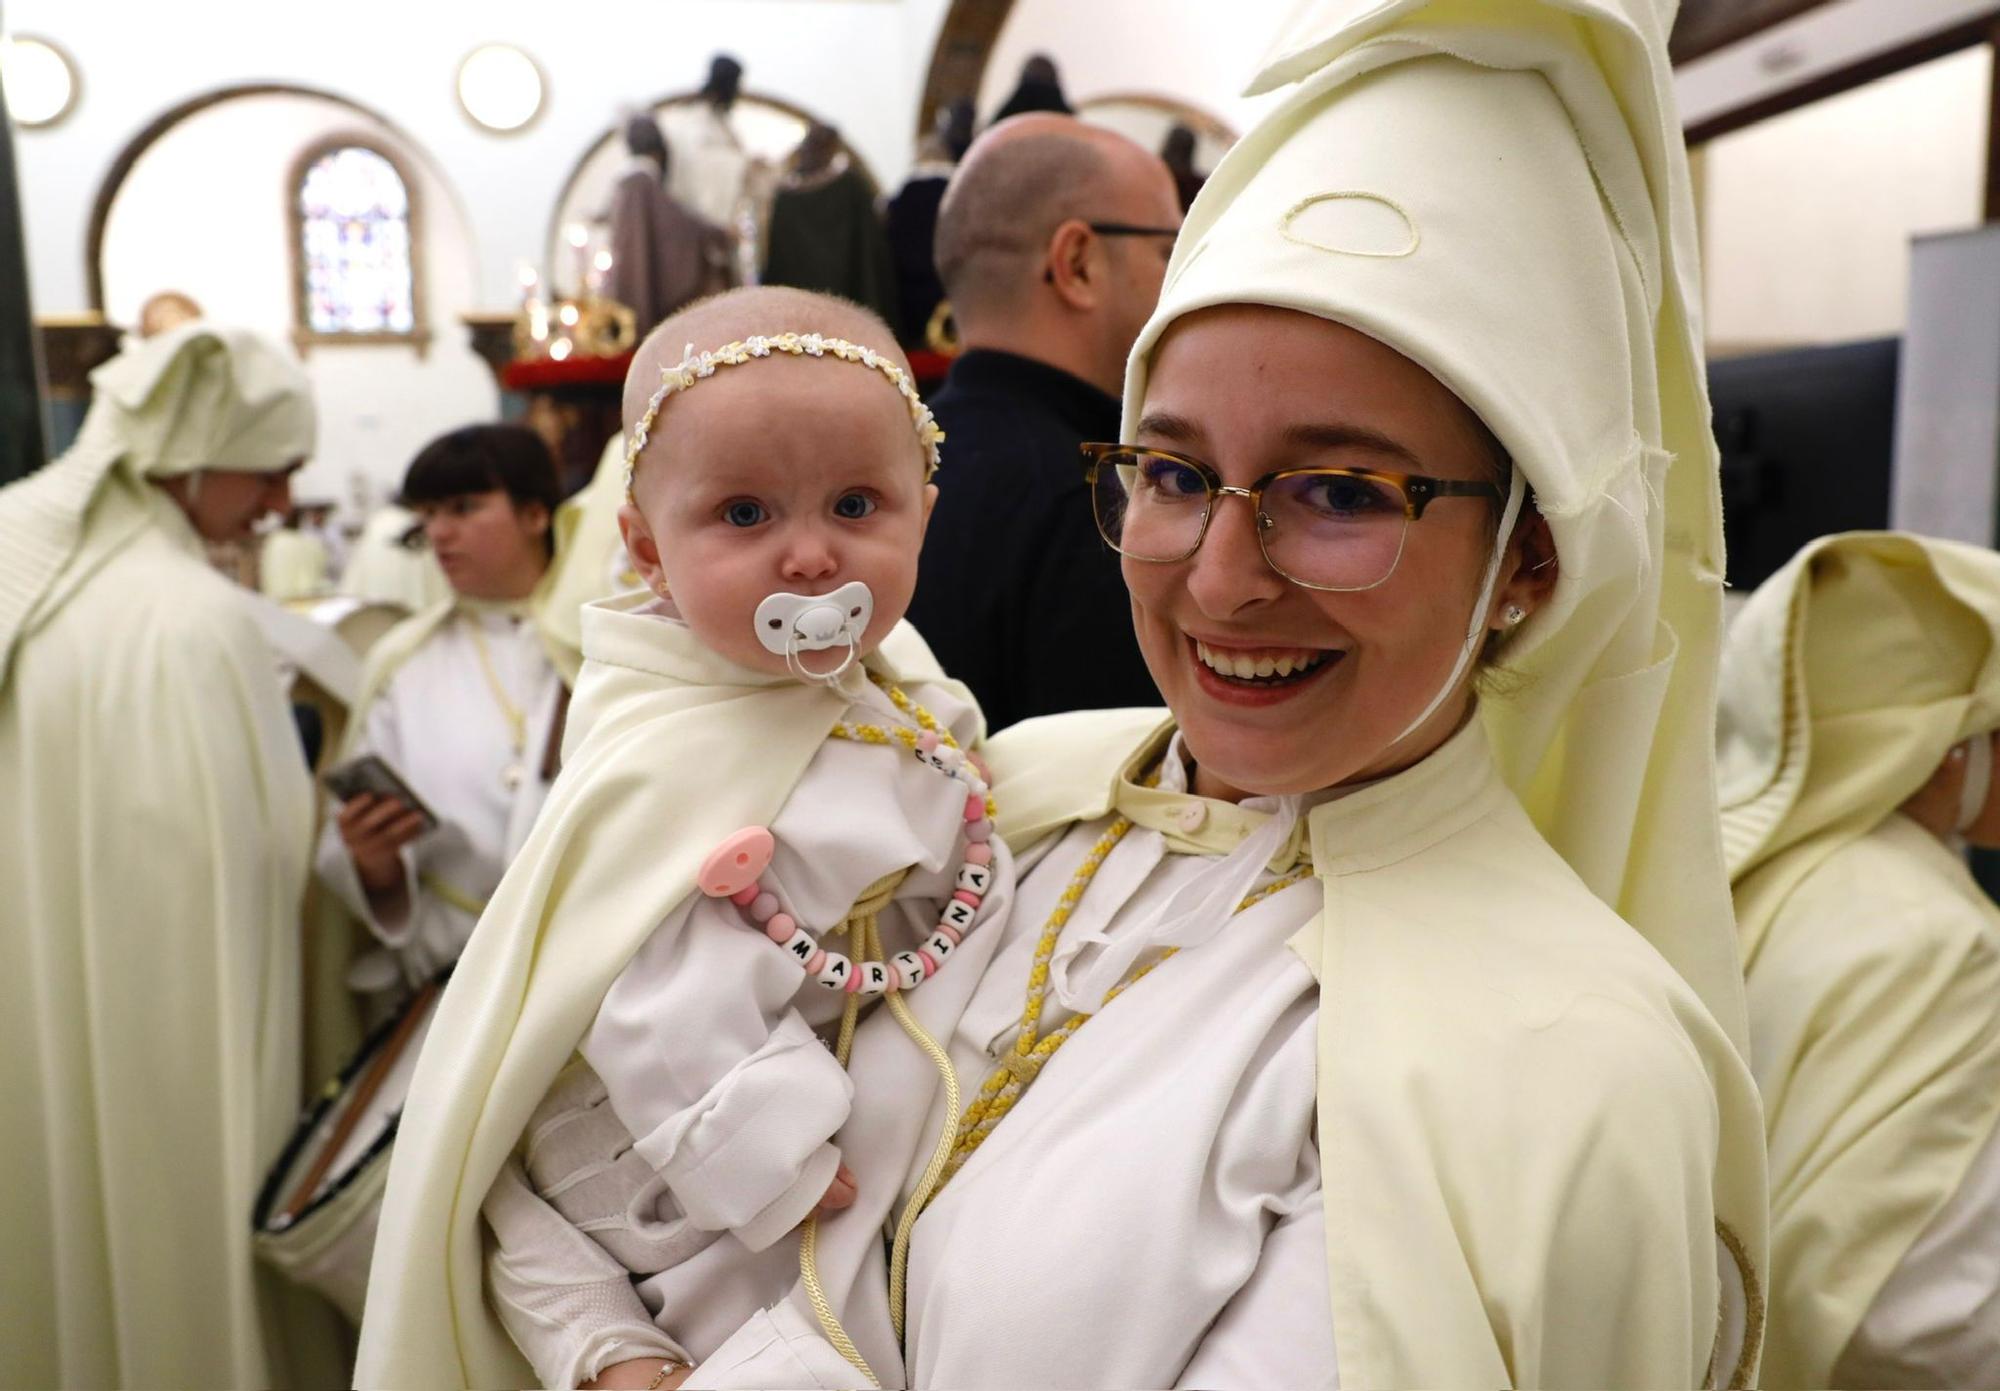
(743, 513)
(853, 506)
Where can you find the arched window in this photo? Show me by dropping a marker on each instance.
(355, 240)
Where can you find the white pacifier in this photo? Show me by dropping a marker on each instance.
(788, 624)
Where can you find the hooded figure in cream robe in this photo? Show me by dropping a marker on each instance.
(292, 565)
(1468, 1104)
(383, 570)
(152, 863)
(1863, 674)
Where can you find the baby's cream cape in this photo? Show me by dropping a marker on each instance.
(670, 748)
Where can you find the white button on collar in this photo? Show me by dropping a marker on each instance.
(1192, 817)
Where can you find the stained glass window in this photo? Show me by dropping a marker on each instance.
(355, 245)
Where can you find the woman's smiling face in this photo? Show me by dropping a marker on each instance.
(1250, 389)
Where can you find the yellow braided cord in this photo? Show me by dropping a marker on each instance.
(1010, 1080)
(809, 1272)
(874, 734)
(448, 892)
(861, 920)
(514, 715)
(998, 1092)
(850, 1016)
(899, 1248)
(926, 721)
(866, 940)
(874, 899)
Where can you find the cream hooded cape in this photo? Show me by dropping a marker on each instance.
(669, 748)
(292, 565)
(1498, 190)
(1848, 677)
(590, 554)
(151, 865)
(384, 571)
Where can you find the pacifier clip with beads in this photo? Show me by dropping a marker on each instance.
(734, 870)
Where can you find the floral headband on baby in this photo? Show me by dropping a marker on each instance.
(695, 367)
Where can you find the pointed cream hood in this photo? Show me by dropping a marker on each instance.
(1498, 190)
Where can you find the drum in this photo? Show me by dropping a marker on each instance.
(316, 1214)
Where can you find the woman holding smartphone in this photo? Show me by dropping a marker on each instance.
(462, 703)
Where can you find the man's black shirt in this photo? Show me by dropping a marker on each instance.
(1017, 594)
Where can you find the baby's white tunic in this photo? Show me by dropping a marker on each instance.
(439, 724)
(709, 1051)
(706, 1040)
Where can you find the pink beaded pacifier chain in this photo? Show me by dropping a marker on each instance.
(735, 869)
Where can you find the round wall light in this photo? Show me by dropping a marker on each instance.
(500, 87)
(39, 78)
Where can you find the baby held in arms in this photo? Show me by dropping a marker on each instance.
(709, 1179)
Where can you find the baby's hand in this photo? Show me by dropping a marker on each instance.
(839, 1193)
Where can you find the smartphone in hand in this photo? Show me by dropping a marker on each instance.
(369, 774)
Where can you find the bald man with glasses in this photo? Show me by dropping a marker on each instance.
(1052, 243)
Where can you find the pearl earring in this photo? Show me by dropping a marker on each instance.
(1513, 615)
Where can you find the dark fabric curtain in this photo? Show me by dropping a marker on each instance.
(20, 396)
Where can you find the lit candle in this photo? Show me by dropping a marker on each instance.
(578, 237)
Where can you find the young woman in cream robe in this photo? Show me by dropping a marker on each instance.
(464, 701)
(1861, 688)
(152, 860)
(1466, 1104)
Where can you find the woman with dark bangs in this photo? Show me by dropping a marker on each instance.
(464, 702)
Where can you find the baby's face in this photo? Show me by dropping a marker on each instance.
(783, 474)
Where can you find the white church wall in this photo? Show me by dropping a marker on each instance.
(227, 167)
(859, 64)
(1148, 123)
(1808, 217)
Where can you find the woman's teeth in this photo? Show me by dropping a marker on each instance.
(1272, 662)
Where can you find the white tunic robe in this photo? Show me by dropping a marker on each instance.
(705, 1042)
(1197, 1089)
(439, 724)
